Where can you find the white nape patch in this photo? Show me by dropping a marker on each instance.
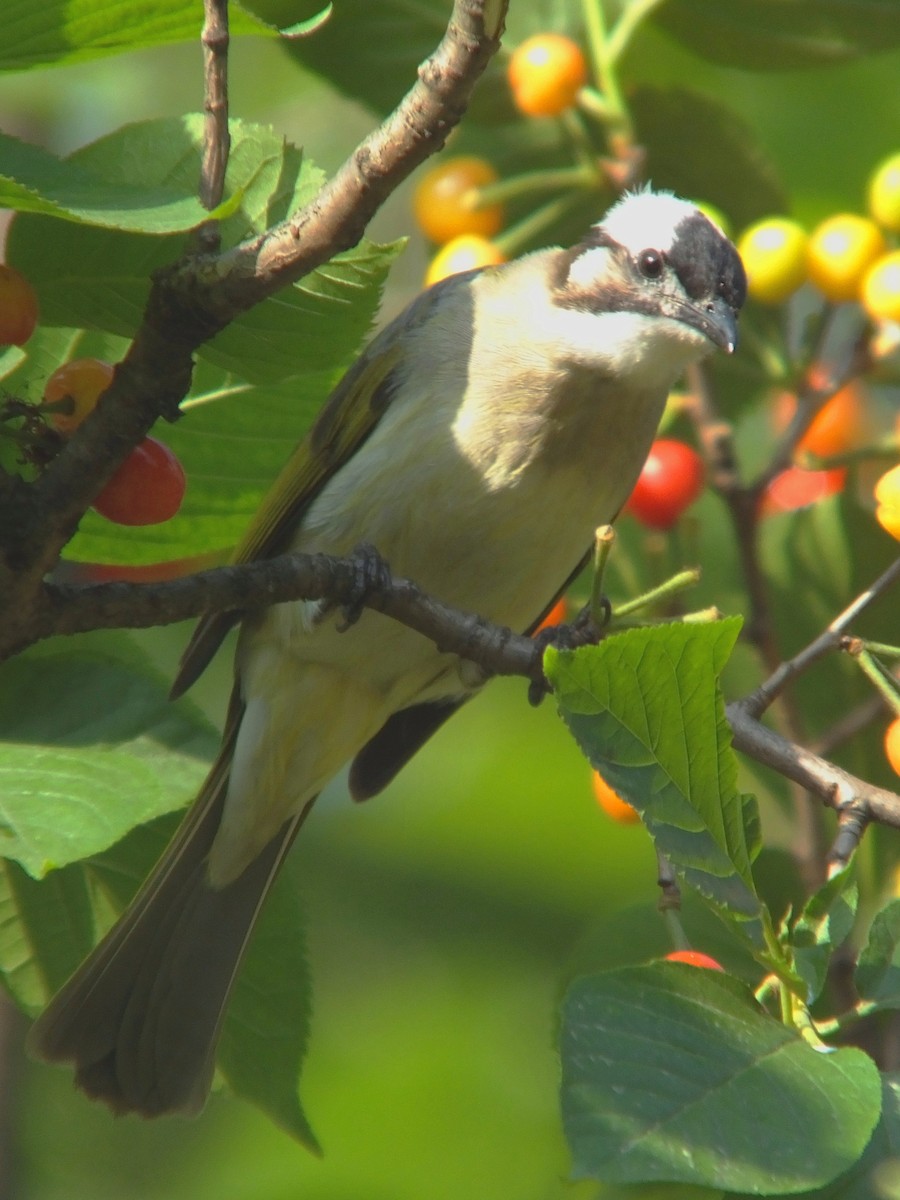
(646, 220)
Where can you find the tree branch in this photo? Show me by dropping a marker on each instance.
(832, 784)
(68, 609)
(195, 298)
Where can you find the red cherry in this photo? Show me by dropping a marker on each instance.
(796, 487)
(695, 958)
(147, 488)
(18, 307)
(671, 479)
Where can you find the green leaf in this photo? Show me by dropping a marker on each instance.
(372, 52)
(878, 968)
(823, 925)
(782, 34)
(46, 928)
(877, 1173)
(688, 135)
(813, 559)
(674, 1073)
(66, 31)
(235, 436)
(257, 386)
(36, 181)
(369, 51)
(101, 278)
(267, 1024)
(92, 748)
(645, 708)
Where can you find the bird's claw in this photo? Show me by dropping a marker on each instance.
(583, 631)
(371, 576)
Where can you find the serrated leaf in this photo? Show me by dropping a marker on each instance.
(824, 924)
(782, 34)
(35, 181)
(878, 968)
(46, 928)
(235, 436)
(688, 135)
(267, 1023)
(674, 1073)
(289, 351)
(646, 710)
(76, 776)
(66, 31)
(100, 278)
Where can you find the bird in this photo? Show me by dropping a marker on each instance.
(477, 443)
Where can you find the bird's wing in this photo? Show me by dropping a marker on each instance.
(348, 417)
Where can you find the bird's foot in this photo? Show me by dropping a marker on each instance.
(371, 576)
(583, 631)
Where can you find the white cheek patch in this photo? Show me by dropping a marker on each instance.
(647, 351)
(588, 267)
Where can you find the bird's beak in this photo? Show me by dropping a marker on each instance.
(717, 320)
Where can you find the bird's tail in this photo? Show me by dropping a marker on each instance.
(141, 1017)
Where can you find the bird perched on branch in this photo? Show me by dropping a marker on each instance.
(477, 443)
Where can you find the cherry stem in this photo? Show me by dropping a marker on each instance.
(604, 540)
(880, 679)
(668, 588)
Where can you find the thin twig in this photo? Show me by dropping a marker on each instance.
(717, 439)
(827, 641)
(216, 137)
(832, 784)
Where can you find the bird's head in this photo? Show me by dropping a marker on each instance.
(663, 279)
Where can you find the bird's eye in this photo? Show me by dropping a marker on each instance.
(650, 264)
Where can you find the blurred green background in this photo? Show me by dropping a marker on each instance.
(444, 917)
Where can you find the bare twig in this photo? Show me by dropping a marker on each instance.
(827, 641)
(832, 784)
(717, 439)
(499, 651)
(216, 138)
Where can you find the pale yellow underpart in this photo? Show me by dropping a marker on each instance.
(484, 481)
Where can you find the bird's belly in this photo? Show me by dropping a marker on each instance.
(502, 553)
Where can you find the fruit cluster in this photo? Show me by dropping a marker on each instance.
(848, 259)
(453, 204)
(149, 486)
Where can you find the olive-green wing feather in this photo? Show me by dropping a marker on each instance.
(348, 417)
